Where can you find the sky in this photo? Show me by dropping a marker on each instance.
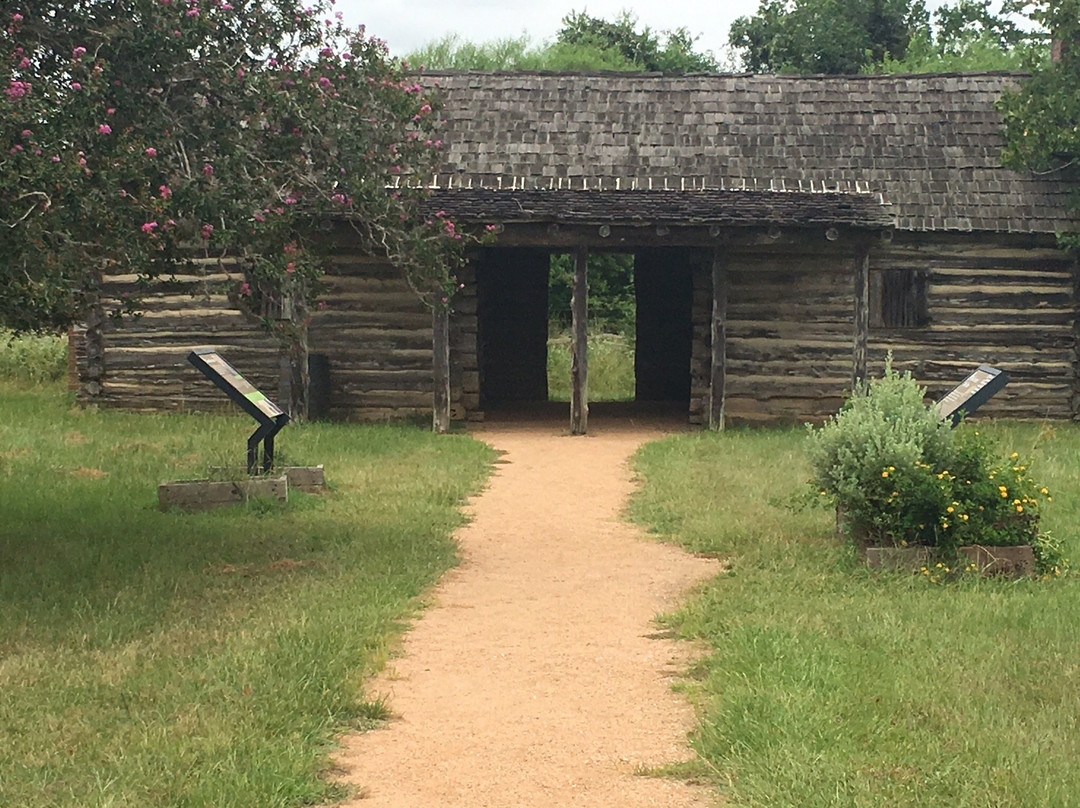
(408, 24)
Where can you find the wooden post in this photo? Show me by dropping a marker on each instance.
(862, 316)
(718, 369)
(579, 346)
(440, 330)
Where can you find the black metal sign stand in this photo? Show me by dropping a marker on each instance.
(972, 393)
(271, 418)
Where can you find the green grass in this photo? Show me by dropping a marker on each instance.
(170, 659)
(32, 358)
(611, 367)
(829, 685)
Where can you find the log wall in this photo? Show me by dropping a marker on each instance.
(1008, 303)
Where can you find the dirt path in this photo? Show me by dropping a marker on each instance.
(533, 679)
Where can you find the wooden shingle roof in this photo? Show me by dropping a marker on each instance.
(927, 145)
(693, 207)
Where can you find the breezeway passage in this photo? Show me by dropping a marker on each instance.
(536, 677)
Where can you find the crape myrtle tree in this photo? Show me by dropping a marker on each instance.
(141, 134)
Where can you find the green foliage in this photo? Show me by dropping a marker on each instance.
(33, 358)
(176, 660)
(825, 36)
(135, 133)
(584, 43)
(612, 304)
(967, 37)
(1042, 117)
(899, 474)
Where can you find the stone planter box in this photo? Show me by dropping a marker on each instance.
(309, 479)
(1010, 562)
(205, 495)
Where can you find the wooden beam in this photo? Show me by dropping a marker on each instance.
(862, 317)
(579, 346)
(440, 329)
(718, 368)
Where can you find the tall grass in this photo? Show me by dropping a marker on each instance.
(611, 367)
(33, 358)
(829, 685)
(171, 659)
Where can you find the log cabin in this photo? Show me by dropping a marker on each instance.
(787, 233)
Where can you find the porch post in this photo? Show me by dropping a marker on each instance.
(862, 316)
(440, 332)
(579, 346)
(718, 368)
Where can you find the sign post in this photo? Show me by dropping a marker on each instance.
(271, 418)
(972, 393)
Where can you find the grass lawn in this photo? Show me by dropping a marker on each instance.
(169, 659)
(611, 367)
(829, 685)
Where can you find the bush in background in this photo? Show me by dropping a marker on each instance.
(34, 358)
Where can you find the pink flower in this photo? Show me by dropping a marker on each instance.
(226, 6)
(491, 228)
(149, 227)
(104, 129)
(324, 81)
(425, 109)
(27, 133)
(75, 85)
(17, 89)
(208, 170)
(78, 53)
(290, 267)
(259, 217)
(110, 111)
(16, 17)
(151, 152)
(56, 158)
(290, 200)
(165, 191)
(245, 288)
(15, 149)
(24, 62)
(339, 198)
(207, 231)
(192, 12)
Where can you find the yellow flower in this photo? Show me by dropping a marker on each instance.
(950, 509)
(884, 474)
(1019, 508)
(1014, 455)
(964, 516)
(1044, 491)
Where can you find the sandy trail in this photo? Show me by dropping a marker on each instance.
(535, 678)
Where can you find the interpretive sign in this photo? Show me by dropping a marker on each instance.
(270, 416)
(972, 393)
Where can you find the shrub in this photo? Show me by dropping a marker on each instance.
(899, 474)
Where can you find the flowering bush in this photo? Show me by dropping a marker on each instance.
(138, 134)
(899, 474)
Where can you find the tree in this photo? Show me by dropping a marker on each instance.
(583, 43)
(1042, 116)
(968, 36)
(141, 133)
(825, 36)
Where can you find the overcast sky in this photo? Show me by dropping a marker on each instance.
(408, 24)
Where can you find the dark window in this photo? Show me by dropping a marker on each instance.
(898, 298)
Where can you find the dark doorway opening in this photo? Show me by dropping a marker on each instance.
(643, 299)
